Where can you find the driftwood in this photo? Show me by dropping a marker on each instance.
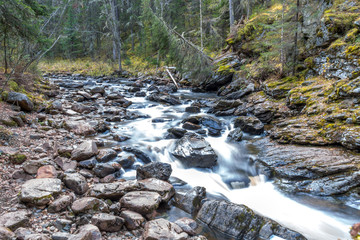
(172, 78)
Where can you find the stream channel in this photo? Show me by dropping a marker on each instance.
(235, 178)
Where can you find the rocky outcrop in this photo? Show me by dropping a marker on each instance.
(194, 151)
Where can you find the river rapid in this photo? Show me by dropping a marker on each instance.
(236, 177)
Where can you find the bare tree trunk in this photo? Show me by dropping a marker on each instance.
(282, 50)
(201, 28)
(231, 12)
(5, 52)
(116, 34)
(296, 35)
(248, 9)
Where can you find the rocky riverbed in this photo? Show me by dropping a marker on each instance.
(66, 166)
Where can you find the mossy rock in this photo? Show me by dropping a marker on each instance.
(8, 122)
(17, 158)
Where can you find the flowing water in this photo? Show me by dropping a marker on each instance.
(236, 177)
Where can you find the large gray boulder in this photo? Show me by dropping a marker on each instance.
(190, 201)
(76, 182)
(40, 191)
(14, 220)
(157, 170)
(143, 202)
(84, 151)
(161, 229)
(113, 191)
(21, 100)
(194, 151)
(241, 222)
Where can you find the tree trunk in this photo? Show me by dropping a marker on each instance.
(231, 13)
(5, 51)
(201, 28)
(296, 35)
(282, 50)
(116, 34)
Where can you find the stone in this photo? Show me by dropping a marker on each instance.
(240, 222)
(32, 166)
(177, 132)
(113, 191)
(84, 151)
(97, 89)
(191, 126)
(40, 191)
(14, 220)
(47, 171)
(126, 162)
(89, 205)
(65, 164)
(133, 220)
(142, 202)
(107, 222)
(76, 182)
(157, 170)
(163, 98)
(194, 151)
(235, 135)
(106, 155)
(21, 100)
(120, 138)
(165, 189)
(192, 109)
(79, 127)
(354, 231)
(161, 229)
(6, 234)
(216, 81)
(89, 164)
(190, 201)
(87, 232)
(37, 236)
(139, 154)
(21, 233)
(213, 125)
(188, 225)
(61, 236)
(249, 124)
(60, 204)
(80, 108)
(103, 169)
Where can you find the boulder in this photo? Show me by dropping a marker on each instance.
(84, 151)
(14, 220)
(106, 155)
(249, 124)
(76, 182)
(191, 126)
(177, 132)
(139, 154)
(133, 220)
(143, 202)
(6, 234)
(32, 166)
(87, 232)
(161, 229)
(61, 236)
(165, 189)
(217, 80)
(241, 222)
(235, 135)
(107, 222)
(192, 109)
(65, 164)
(79, 127)
(194, 151)
(103, 169)
(37, 236)
(47, 171)
(21, 100)
(21, 233)
(163, 98)
(89, 205)
(188, 225)
(97, 89)
(40, 191)
(157, 170)
(190, 201)
(89, 164)
(60, 204)
(113, 191)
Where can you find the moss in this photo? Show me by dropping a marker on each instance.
(351, 35)
(337, 44)
(8, 123)
(352, 50)
(309, 62)
(283, 81)
(230, 41)
(225, 69)
(339, 22)
(17, 158)
(13, 86)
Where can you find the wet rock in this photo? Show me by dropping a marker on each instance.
(98, 89)
(188, 225)
(107, 222)
(126, 162)
(80, 108)
(162, 98)
(106, 155)
(76, 182)
(14, 220)
(37, 237)
(103, 169)
(190, 201)
(89, 164)
(142, 202)
(235, 135)
(60, 204)
(89, 205)
(139, 154)
(249, 124)
(114, 190)
(21, 100)
(177, 132)
(120, 138)
(40, 191)
(133, 220)
(165, 189)
(161, 229)
(79, 127)
(87, 232)
(84, 151)
(192, 109)
(191, 126)
(6, 234)
(223, 106)
(213, 125)
(194, 151)
(157, 170)
(241, 222)
(47, 171)
(65, 164)
(217, 80)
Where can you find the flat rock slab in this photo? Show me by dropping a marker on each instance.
(161, 229)
(241, 222)
(14, 220)
(141, 201)
(40, 191)
(113, 191)
(165, 189)
(323, 171)
(89, 204)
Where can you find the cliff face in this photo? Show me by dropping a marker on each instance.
(323, 96)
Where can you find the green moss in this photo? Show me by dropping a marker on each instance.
(351, 35)
(230, 41)
(17, 158)
(337, 44)
(353, 50)
(339, 22)
(309, 62)
(8, 122)
(14, 86)
(225, 69)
